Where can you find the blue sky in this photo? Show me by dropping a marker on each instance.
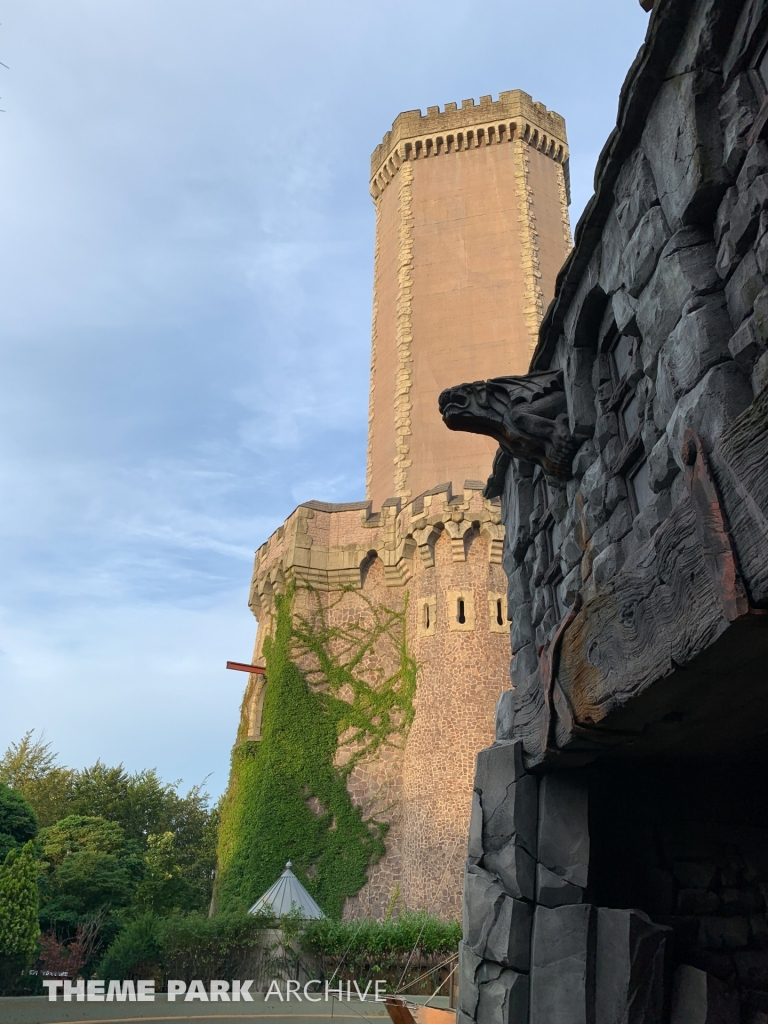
(185, 317)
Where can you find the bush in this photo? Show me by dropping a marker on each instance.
(187, 946)
(414, 943)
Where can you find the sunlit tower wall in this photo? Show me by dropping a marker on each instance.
(471, 230)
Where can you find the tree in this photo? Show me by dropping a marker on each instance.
(19, 928)
(179, 869)
(31, 768)
(87, 865)
(18, 821)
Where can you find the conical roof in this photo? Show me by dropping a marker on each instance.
(285, 894)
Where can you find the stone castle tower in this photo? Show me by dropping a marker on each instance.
(471, 229)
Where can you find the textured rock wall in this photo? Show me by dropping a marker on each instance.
(608, 893)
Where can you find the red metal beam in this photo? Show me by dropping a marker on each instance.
(238, 666)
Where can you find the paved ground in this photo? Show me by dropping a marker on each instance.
(38, 1010)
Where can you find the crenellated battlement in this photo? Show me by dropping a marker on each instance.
(515, 115)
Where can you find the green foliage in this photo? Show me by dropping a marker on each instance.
(287, 799)
(19, 928)
(401, 949)
(31, 768)
(179, 870)
(87, 864)
(18, 821)
(185, 946)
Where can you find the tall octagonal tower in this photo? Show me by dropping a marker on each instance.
(471, 230)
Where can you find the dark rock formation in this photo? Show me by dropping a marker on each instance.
(617, 868)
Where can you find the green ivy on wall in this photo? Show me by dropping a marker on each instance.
(287, 797)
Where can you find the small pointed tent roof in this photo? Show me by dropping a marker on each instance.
(288, 892)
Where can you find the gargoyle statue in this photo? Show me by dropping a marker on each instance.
(527, 415)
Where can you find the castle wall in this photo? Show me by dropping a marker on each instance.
(434, 553)
(468, 283)
(384, 355)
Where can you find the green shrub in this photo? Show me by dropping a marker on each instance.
(186, 946)
(19, 928)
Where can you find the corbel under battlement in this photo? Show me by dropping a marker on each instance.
(327, 546)
(514, 115)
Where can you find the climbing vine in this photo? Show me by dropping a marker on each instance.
(287, 797)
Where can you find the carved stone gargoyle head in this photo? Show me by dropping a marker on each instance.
(527, 415)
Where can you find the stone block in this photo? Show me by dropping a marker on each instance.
(699, 341)
(620, 522)
(615, 492)
(515, 868)
(518, 591)
(522, 627)
(570, 551)
(469, 962)
(475, 842)
(737, 109)
(505, 717)
(554, 891)
(723, 932)
(607, 564)
(624, 310)
(722, 395)
(723, 215)
(497, 767)
(585, 457)
(747, 345)
(508, 797)
(635, 191)
(649, 432)
(571, 586)
(755, 164)
(496, 926)
(743, 288)
(563, 826)
(745, 215)
(612, 244)
(700, 998)
(662, 466)
(560, 967)
(504, 1000)
(593, 482)
(759, 377)
(511, 816)
(650, 518)
(509, 938)
(641, 254)
(629, 968)
(686, 269)
(524, 664)
(683, 143)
